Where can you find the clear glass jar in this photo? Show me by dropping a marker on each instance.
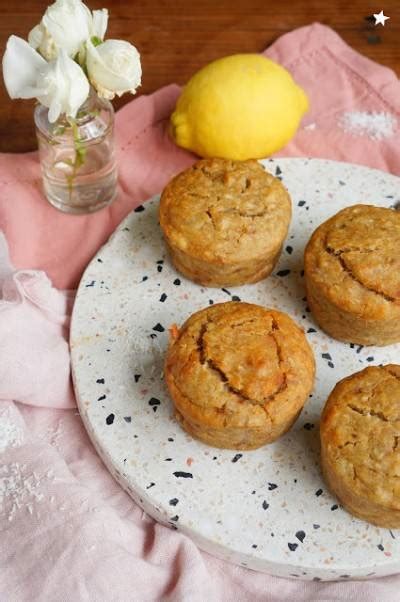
(77, 157)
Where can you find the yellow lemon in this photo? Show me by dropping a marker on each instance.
(239, 107)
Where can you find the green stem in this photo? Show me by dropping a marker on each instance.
(80, 155)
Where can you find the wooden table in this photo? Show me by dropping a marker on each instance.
(176, 37)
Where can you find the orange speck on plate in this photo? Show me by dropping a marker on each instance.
(189, 461)
(173, 331)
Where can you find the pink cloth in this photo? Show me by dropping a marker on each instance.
(34, 319)
(67, 530)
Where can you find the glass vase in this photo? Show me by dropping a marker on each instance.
(77, 157)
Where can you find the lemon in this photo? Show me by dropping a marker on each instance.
(243, 106)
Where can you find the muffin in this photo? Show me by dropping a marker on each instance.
(239, 374)
(352, 275)
(360, 444)
(224, 221)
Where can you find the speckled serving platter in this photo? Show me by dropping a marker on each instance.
(268, 509)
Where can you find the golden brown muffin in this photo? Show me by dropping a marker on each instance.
(224, 221)
(360, 444)
(352, 272)
(239, 374)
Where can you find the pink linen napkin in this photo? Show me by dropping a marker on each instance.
(67, 530)
(34, 319)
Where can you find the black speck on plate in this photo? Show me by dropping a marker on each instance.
(236, 457)
(180, 474)
(154, 402)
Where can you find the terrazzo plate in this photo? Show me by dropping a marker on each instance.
(268, 509)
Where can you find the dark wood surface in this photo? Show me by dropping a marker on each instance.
(176, 37)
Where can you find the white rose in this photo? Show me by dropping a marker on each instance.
(67, 24)
(60, 85)
(113, 67)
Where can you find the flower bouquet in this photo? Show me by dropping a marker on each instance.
(73, 73)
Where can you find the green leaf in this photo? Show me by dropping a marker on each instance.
(96, 41)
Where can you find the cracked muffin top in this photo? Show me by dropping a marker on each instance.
(225, 211)
(360, 432)
(241, 364)
(354, 257)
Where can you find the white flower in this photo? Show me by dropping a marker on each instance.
(67, 24)
(60, 85)
(64, 87)
(113, 67)
(21, 66)
(99, 23)
(41, 40)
